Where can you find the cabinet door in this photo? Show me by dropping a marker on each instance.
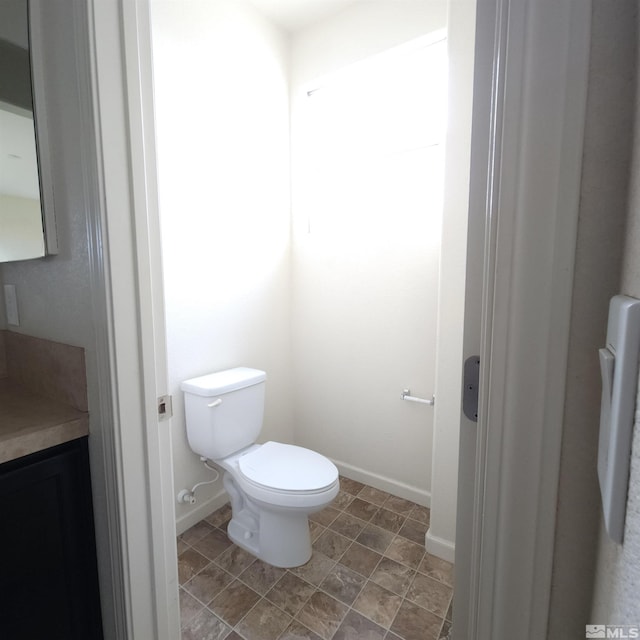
(48, 581)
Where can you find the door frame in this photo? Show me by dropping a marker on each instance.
(132, 367)
(531, 86)
(526, 193)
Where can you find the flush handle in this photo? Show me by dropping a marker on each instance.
(215, 403)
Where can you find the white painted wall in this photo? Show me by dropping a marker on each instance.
(599, 248)
(615, 599)
(222, 108)
(364, 311)
(451, 302)
(361, 30)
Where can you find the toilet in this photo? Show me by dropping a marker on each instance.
(273, 486)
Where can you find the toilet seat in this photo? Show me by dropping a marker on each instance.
(287, 468)
(284, 476)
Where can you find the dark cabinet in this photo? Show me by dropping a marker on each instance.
(48, 575)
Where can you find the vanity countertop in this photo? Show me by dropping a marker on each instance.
(30, 422)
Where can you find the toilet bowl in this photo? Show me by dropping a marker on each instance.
(273, 487)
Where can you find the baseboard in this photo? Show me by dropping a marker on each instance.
(440, 547)
(400, 489)
(201, 511)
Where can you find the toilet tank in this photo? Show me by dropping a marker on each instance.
(224, 411)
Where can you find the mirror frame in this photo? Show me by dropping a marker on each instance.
(37, 58)
(38, 83)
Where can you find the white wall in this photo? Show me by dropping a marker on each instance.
(359, 31)
(599, 247)
(221, 96)
(364, 313)
(615, 599)
(451, 303)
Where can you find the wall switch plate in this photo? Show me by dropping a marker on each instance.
(619, 370)
(11, 304)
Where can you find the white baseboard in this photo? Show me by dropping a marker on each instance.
(400, 489)
(440, 547)
(201, 511)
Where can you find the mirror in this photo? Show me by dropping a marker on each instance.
(27, 228)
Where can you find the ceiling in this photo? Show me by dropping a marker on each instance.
(293, 15)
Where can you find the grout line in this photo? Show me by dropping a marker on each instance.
(182, 624)
(318, 588)
(235, 627)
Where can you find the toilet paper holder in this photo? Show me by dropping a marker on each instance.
(406, 395)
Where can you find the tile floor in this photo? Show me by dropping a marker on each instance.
(369, 578)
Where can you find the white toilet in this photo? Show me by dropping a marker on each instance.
(273, 486)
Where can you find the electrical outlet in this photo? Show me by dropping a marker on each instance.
(11, 304)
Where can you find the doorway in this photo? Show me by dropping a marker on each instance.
(562, 42)
(224, 208)
(257, 269)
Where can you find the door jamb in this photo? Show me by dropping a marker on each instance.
(532, 187)
(126, 259)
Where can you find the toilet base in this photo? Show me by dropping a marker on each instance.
(278, 536)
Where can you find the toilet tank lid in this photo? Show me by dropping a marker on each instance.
(214, 384)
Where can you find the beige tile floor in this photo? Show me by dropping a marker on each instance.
(369, 578)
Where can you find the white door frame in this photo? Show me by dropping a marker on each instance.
(536, 110)
(134, 365)
(527, 192)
